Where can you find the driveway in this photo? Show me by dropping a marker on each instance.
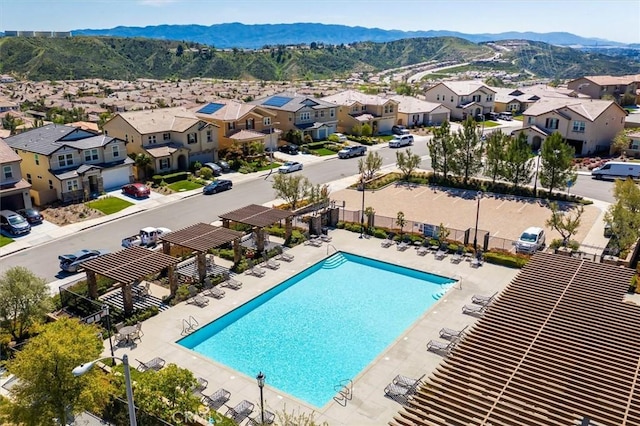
(118, 193)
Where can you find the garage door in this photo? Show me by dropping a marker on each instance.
(115, 177)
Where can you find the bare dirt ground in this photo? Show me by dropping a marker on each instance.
(64, 215)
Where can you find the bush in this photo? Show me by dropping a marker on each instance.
(206, 173)
(505, 258)
(170, 178)
(557, 243)
(380, 233)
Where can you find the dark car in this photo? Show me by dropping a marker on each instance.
(399, 130)
(137, 190)
(73, 262)
(217, 186)
(217, 170)
(289, 149)
(223, 165)
(33, 216)
(491, 116)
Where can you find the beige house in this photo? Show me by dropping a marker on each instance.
(70, 164)
(463, 98)
(634, 144)
(240, 123)
(598, 86)
(14, 190)
(311, 116)
(414, 112)
(589, 125)
(173, 137)
(518, 100)
(356, 108)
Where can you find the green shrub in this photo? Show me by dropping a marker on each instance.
(380, 233)
(206, 173)
(557, 243)
(170, 178)
(507, 259)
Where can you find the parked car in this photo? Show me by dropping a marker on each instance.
(217, 170)
(224, 165)
(73, 262)
(507, 116)
(137, 190)
(491, 116)
(217, 186)
(399, 141)
(617, 169)
(290, 166)
(33, 216)
(352, 151)
(13, 223)
(289, 149)
(341, 137)
(399, 130)
(531, 240)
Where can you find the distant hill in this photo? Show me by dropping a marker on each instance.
(131, 58)
(256, 36)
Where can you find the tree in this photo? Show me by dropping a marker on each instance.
(404, 89)
(624, 214)
(143, 163)
(407, 162)
(370, 165)
(468, 150)
(366, 130)
(356, 130)
(441, 149)
(517, 169)
(24, 300)
(401, 221)
(179, 50)
(495, 154)
(621, 142)
(563, 222)
(291, 188)
(556, 163)
(319, 195)
(47, 389)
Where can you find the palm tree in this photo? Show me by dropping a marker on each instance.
(143, 163)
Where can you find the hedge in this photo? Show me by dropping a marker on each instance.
(170, 178)
(506, 259)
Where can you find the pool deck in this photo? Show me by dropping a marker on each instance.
(407, 355)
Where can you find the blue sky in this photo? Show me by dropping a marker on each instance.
(616, 20)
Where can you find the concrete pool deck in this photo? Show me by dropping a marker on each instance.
(407, 355)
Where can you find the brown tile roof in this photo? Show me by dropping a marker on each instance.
(256, 215)
(7, 155)
(202, 236)
(130, 264)
(247, 135)
(558, 345)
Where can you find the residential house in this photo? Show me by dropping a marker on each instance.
(414, 112)
(240, 123)
(599, 86)
(518, 100)
(70, 164)
(311, 116)
(358, 109)
(7, 105)
(463, 98)
(589, 125)
(634, 144)
(174, 138)
(14, 190)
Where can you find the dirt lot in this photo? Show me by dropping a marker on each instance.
(64, 215)
(502, 216)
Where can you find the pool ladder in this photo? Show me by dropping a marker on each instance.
(345, 392)
(335, 250)
(188, 325)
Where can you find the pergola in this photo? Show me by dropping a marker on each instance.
(127, 267)
(259, 217)
(201, 238)
(558, 347)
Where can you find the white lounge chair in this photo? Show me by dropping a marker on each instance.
(230, 282)
(270, 263)
(483, 300)
(255, 270)
(474, 309)
(283, 255)
(457, 256)
(435, 346)
(312, 241)
(442, 252)
(387, 242)
(195, 298)
(407, 382)
(448, 333)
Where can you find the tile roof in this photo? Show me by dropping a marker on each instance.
(409, 104)
(558, 344)
(465, 87)
(587, 108)
(295, 103)
(247, 135)
(161, 120)
(229, 111)
(609, 80)
(46, 139)
(350, 97)
(7, 155)
(159, 151)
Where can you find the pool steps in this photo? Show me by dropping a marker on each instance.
(334, 261)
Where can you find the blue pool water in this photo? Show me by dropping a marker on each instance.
(321, 326)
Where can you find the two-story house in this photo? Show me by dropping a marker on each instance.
(463, 98)
(174, 138)
(14, 190)
(518, 100)
(599, 86)
(240, 123)
(70, 164)
(589, 125)
(293, 112)
(417, 112)
(356, 109)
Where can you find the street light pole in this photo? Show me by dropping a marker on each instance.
(475, 235)
(261, 378)
(535, 180)
(362, 213)
(82, 369)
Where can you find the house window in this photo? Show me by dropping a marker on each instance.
(29, 177)
(438, 97)
(165, 163)
(530, 120)
(332, 112)
(451, 98)
(90, 154)
(72, 185)
(551, 123)
(322, 113)
(489, 98)
(386, 109)
(166, 136)
(635, 144)
(266, 121)
(231, 125)
(65, 160)
(476, 98)
(354, 108)
(304, 116)
(315, 114)
(8, 172)
(50, 183)
(152, 139)
(390, 108)
(251, 123)
(115, 150)
(578, 126)
(36, 157)
(209, 138)
(363, 108)
(192, 138)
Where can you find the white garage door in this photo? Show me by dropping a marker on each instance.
(115, 177)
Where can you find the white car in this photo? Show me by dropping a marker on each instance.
(341, 137)
(290, 166)
(399, 141)
(531, 240)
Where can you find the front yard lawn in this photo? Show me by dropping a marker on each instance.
(269, 166)
(491, 124)
(322, 152)
(5, 240)
(109, 205)
(184, 185)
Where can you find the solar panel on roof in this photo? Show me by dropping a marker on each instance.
(277, 101)
(210, 108)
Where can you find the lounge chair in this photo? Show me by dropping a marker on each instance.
(255, 270)
(442, 252)
(312, 241)
(240, 411)
(270, 263)
(387, 242)
(448, 333)
(457, 256)
(474, 309)
(155, 364)
(269, 418)
(324, 238)
(200, 385)
(435, 346)
(483, 300)
(284, 256)
(403, 245)
(195, 298)
(398, 393)
(211, 290)
(407, 382)
(231, 282)
(216, 399)
(423, 249)
(477, 260)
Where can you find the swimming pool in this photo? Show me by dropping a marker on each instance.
(321, 326)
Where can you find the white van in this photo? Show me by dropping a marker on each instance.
(617, 169)
(399, 141)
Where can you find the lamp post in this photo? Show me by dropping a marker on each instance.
(82, 369)
(362, 182)
(475, 235)
(260, 378)
(535, 179)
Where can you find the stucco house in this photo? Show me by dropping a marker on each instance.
(356, 108)
(463, 98)
(14, 190)
(598, 86)
(589, 125)
(518, 100)
(417, 112)
(70, 164)
(238, 122)
(173, 137)
(294, 112)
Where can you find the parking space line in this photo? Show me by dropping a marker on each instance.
(501, 204)
(420, 193)
(522, 208)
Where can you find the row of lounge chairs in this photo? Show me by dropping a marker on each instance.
(439, 251)
(239, 412)
(316, 240)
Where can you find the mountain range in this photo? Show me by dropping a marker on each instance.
(238, 35)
